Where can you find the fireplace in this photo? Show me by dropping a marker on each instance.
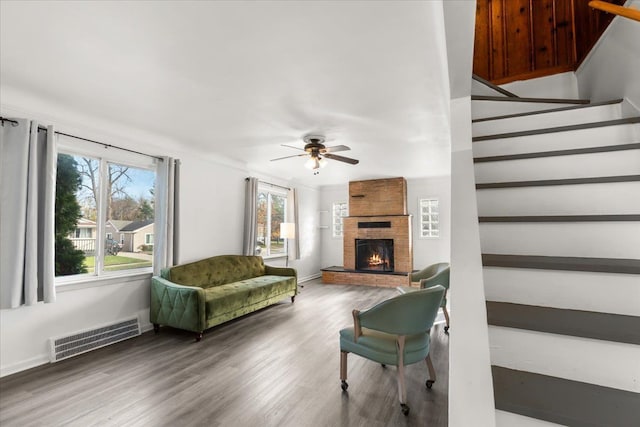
(374, 255)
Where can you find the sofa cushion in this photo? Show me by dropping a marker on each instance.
(233, 296)
(218, 270)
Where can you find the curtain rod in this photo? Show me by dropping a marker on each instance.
(273, 185)
(15, 123)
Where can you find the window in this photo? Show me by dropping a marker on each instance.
(339, 211)
(94, 190)
(270, 211)
(429, 218)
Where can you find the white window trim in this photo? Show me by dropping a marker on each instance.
(420, 218)
(75, 147)
(145, 239)
(279, 192)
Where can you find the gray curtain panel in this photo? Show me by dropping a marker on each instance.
(27, 187)
(250, 216)
(166, 214)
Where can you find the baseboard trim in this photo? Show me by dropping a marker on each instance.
(563, 401)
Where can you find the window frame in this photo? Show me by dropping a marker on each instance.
(281, 192)
(344, 206)
(105, 156)
(430, 223)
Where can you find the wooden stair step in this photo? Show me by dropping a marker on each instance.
(563, 401)
(530, 113)
(605, 265)
(551, 182)
(493, 86)
(559, 218)
(560, 321)
(617, 122)
(531, 100)
(570, 152)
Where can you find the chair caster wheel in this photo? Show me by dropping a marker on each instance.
(446, 329)
(405, 409)
(344, 385)
(430, 383)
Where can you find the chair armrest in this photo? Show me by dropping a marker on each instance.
(280, 271)
(177, 305)
(357, 329)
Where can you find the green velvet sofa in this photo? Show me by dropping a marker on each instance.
(205, 293)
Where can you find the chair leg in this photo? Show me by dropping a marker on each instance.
(402, 391)
(343, 370)
(432, 372)
(446, 317)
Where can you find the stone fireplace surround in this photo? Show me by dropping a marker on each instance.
(387, 198)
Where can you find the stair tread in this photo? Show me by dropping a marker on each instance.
(560, 218)
(493, 86)
(576, 323)
(562, 401)
(605, 265)
(592, 125)
(568, 152)
(566, 181)
(551, 110)
(535, 100)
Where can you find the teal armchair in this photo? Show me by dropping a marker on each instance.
(436, 274)
(394, 332)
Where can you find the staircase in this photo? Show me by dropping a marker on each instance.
(558, 191)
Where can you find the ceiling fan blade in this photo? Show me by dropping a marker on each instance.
(288, 157)
(341, 158)
(336, 148)
(291, 146)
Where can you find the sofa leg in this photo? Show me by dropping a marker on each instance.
(293, 298)
(156, 328)
(198, 336)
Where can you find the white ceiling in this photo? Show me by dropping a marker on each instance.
(238, 79)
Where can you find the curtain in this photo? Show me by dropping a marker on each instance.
(250, 216)
(165, 251)
(292, 203)
(28, 160)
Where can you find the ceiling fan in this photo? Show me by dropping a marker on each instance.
(317, 152)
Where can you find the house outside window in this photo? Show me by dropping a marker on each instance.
(339, 211)
(148, 239)
(270, 212)
(429, 218)
(94, 188)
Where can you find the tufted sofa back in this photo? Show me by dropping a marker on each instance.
(217, 270)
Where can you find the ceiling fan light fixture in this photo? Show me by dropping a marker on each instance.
(312, 163)
(322, 162)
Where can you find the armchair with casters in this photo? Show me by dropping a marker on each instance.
(394, 332)
(436, 274)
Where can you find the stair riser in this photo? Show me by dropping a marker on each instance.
(586, 199)
(546, 120)
(509, 419)
(574, 290)
(582, 239)
(581, 138)
(481, 109)
(574, 166)
(573, 358)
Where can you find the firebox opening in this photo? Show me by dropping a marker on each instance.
(374, 254)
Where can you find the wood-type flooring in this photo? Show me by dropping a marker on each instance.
(276, 367)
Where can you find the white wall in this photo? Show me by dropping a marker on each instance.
(470, 382)
(211, 215)
(611, 69)
(426, 251)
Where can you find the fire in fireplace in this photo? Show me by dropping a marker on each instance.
(374, 254)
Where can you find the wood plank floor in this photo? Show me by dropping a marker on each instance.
(275, 367)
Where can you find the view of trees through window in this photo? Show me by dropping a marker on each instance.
(126, 203)
(271, 208)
